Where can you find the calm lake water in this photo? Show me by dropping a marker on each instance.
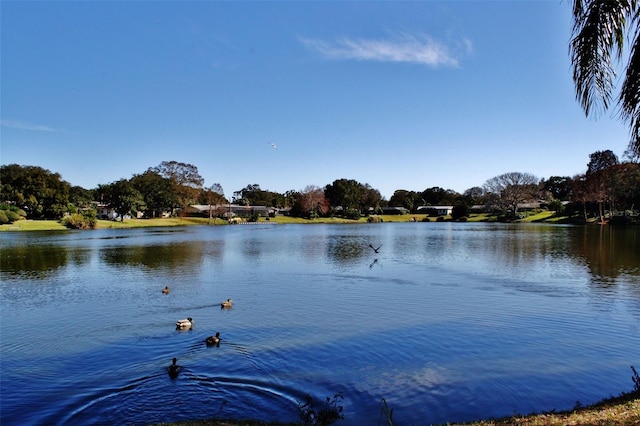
(448, 322)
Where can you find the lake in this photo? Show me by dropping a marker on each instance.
(447, 322)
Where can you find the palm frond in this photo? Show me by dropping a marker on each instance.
(629, 99)
(599, 30)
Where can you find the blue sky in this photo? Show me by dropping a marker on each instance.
(399, 95)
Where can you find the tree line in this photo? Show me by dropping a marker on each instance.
(36, 193)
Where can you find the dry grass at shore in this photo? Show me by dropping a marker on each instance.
(620, 411)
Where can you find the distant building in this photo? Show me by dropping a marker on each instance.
(229, 210)
(105, 212)
(439, 210)
(394, 210)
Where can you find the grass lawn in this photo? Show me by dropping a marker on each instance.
(34, 225)
(52, 225)
(539, 217)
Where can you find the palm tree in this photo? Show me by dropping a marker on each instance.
(600, 30)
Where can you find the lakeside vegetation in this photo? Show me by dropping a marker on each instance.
(608, 191)
(55, 225)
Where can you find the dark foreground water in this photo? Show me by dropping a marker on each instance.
(448, 322)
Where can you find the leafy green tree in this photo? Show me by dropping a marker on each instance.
(345, 193)
(157, 192)
(39, 192)
(253, 195)
(352, 195)
(459, 211)
(123, 197)
(600, 30)
(601, 161)
(410, 200)
(580, 194)
(289, 198)
(627, 185)
(185, 181)
(438, 196)
(559, 187)
(599, 178)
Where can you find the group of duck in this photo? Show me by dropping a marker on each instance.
(186, 324)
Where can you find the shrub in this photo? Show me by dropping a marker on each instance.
(11, 213)
(374, 219)
(12, 216)
(78, 221)
(253, 217)
(426, 219)
(352, 214)
(3, 217)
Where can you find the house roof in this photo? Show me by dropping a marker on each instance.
(435, 207)
(236, 207)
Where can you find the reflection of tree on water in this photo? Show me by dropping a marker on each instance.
(347, 249)
(609, 251)
(40, 261)
(169, 256)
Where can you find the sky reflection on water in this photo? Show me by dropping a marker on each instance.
(448, 322)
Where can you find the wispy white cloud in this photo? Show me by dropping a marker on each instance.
(15, 124)
(417, 49)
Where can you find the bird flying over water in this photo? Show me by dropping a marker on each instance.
(375, 249)
(273, 145)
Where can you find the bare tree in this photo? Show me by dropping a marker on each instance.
(213, 197)
(311, 201)
(510, 189)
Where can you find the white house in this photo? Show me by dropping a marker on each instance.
(231, 210)
(440, 210)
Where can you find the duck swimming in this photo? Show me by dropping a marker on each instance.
(213, 340)
(184, 323)
(165, 290)
(174, 369)
(226, 304)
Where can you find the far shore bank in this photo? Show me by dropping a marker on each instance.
(54, 225)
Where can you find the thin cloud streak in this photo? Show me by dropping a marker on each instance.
(14, 124)
(423, 50)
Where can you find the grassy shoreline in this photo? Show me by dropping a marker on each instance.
(54, 225)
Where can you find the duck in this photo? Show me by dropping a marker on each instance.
(184, 323)
(174, 369)
(165, 290)
(213, 340)
(226, 304)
